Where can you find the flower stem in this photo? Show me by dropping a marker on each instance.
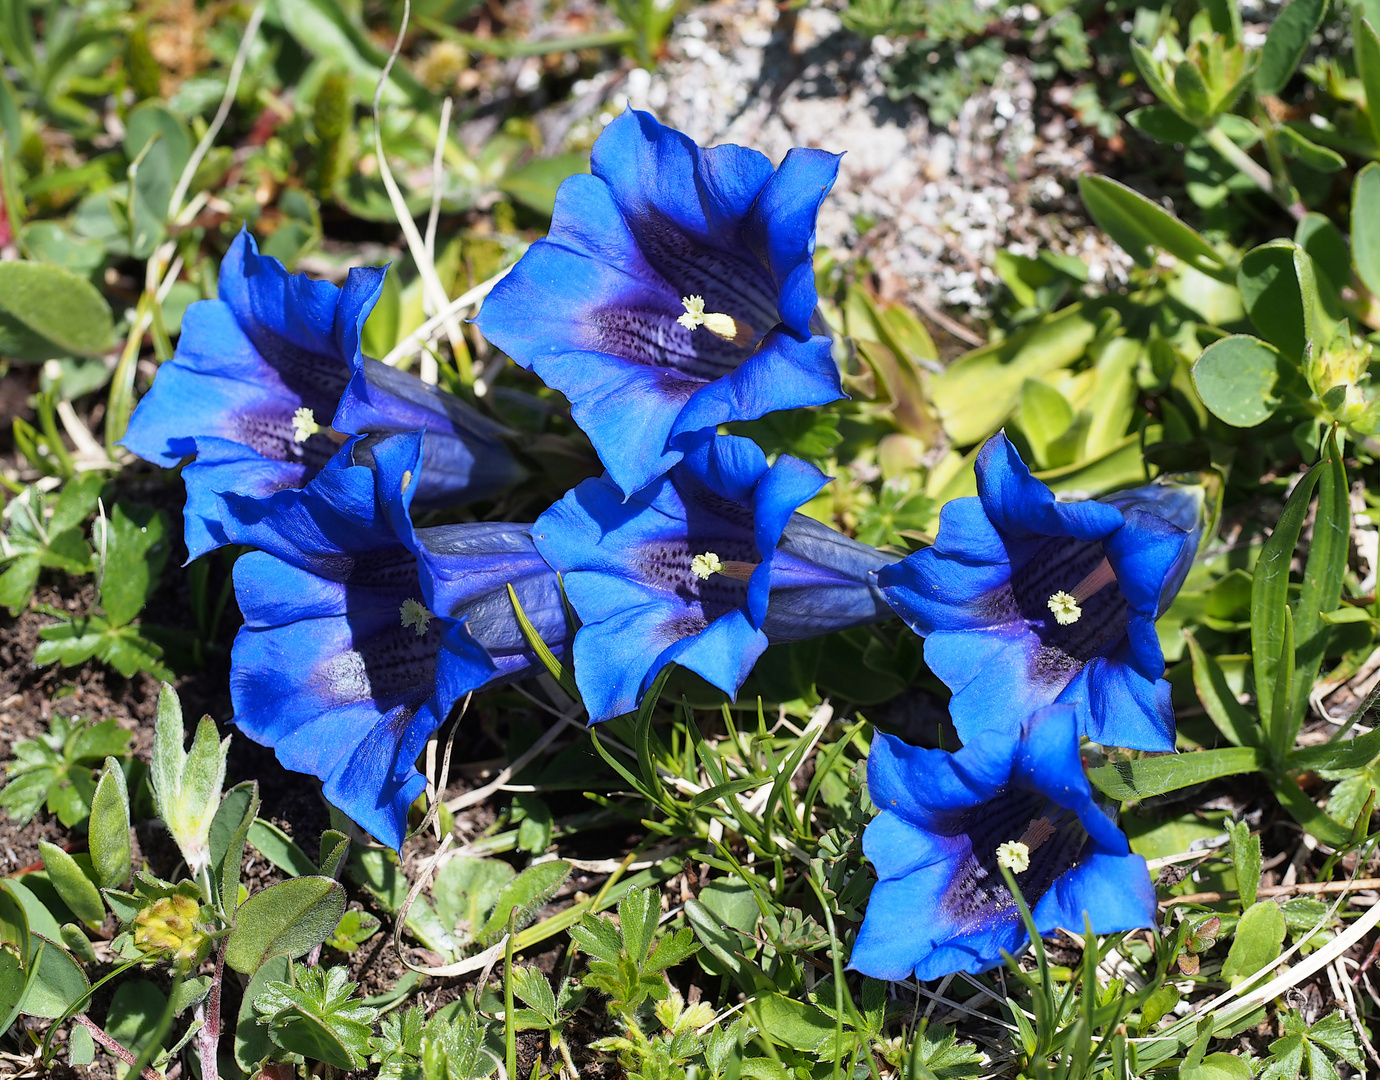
(98, 1033)
(1253, 170)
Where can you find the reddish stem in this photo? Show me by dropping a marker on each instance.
(148, 1072)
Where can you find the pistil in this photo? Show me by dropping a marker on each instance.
(415, 615)
(304, 425)
(1015, 854)
(707, 565)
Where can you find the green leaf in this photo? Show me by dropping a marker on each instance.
(533, 989)
(1270, 291)
(1342, 756)
(534, 184)
(289, 918)
(137, 547)
(1308, 814)
(1296, 144)
(1236, 378)
(796, 1024)
(557, 670)
(1163, 124)
(279, 849)
(1286, 42)
(466, 891)
(1256, 945)
(1245, 857)
(1145, 777)
(13, 981)
(1322, 578)
(1230, 717)
(47, 312)
(318, 1017)
(525, 894)
(977, 392)
(1216, 1067)
(134, 1017)
(111, 854)
(75, 888)
(231, 863)
(252, 1042)
(1270, 593)
(187, 786)
(1367, 46)
(58, 982)
(1139, 225)
(1365, 218)
(189, 992)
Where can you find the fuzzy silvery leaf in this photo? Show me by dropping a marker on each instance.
(187, 786)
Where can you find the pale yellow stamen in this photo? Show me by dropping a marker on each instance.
(415, 615)
(1014, 855)
(1066, 605)
(406, 480)
(1065, 608)
(706, 566)
(717, 323)
(304, 425)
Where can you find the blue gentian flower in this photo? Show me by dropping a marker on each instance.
(253, 389)
(674, 292)
(947, 823)
(703, 568)
(350, 656)
(1024, 600)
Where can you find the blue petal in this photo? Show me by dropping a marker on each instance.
(298, 325)
(782, 228)
(949, 586)
(1144, 553)
(1120, 707)
(466, 458)
(729, 465)
(785, 372)
(1114, 889)
(922, 786)
(220, 466)
(901, 926)
(895, 847)
(1022, 507)
(999, 677)
(1047, 760)
(723, 653)
(822, 581)
(616, 657)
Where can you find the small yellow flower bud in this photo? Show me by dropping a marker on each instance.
(168, 927)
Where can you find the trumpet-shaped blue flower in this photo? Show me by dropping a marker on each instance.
(350, 656)
(948, 822)
(674, 292)
(703, 568)
(1024, 601)
(254, 387)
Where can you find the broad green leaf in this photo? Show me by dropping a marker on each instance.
(533, 989)
(1236, 377)
(534, 184)
(289, 918)
(1365, 223)
(1259, 935)
(1216, 1067)
(465, 892)
(1367, 45)
(725, 947)
(1245, 857)
(151, 180)
(796, 1024)
(1270, 592)
(189, 992)
(149, 120)
(525, 894)
(252, 1043)
(58, 983)
(638, 913)
(279, 849)
(1045, 414)
(111, 854)
(13, 980)
(137, 547)
(46, 312)
(1163, 124)
(1270, 290)
(134, 1017)
(318, 1017)
(230, 815)
(1145, 777)
(1139, 225)
(75, 888)
(1285, 44)
(1328, 249)
(978, 391)
(187, 786)
(39, 918)
(1296, 144)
